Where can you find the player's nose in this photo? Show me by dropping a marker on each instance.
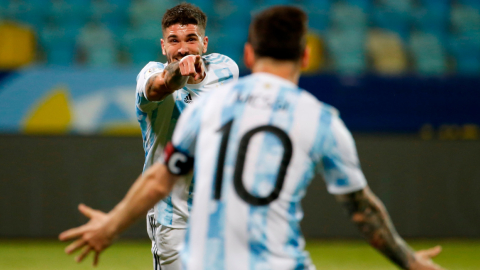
(183, 49)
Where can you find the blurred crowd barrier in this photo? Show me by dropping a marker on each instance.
(349, 37)
(102, 101)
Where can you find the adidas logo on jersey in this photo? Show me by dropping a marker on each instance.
(188, 99)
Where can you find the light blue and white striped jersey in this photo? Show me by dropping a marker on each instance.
(157, 122)
(257, 144)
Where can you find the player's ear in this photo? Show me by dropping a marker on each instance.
(205, 44)
(305, 57)
(248, 55)
(162, 42)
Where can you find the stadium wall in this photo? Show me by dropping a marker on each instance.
(429, 187)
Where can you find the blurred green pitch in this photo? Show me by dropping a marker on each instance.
(326, 254)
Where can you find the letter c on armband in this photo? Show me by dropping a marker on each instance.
(178, 163)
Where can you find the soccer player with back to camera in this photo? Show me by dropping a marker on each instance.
(255, 145)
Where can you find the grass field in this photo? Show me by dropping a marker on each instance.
(332, 255)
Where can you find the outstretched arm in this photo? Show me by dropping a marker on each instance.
(96, 235)
(372, 219)
(174, 77)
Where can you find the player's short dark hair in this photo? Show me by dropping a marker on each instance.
(279, 32)
(184, 14)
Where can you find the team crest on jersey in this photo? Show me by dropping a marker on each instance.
(152, 70)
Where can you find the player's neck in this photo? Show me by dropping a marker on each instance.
(285, 69)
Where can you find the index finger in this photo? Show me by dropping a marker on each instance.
(86, 211)
(72, 233)
(433, 252)
(198, 59)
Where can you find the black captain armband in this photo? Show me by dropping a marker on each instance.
(177, 162)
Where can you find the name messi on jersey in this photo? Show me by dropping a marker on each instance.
(262, 101)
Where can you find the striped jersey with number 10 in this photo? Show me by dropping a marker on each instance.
(256, 145)
(158, 119)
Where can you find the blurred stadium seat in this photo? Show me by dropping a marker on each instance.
(428, 53)
(57, 42)
(432, 17)
(465, 39)
(97, 45)
(347, 51)
(142, 43)
(348, 17)
(394, 15)
(471, 3)
(386, 52)
(365, 5)
(318, 13)
(317, 54)
(17, 46)
(71, 15)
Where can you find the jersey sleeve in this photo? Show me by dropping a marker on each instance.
(223, 67)
(145, 74)
(232, 65)
(338, 160)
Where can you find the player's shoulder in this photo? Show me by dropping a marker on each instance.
(215, 59)
(309, 100)
(151, 67)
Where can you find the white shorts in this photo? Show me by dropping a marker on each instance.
(166, 244)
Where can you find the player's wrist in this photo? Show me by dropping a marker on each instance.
(112, 225)
(417, 263)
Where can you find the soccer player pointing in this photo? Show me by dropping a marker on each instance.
(163, 91)
(255, 145)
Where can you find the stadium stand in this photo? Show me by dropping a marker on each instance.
(435, 36)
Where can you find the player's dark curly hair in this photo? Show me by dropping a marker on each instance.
(184, 14)
(279, 32)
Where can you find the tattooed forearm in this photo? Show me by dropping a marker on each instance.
(173, 78)
(163, 84)
(373, 221)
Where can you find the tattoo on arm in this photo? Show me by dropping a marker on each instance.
(172, 80)
(373, 221)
